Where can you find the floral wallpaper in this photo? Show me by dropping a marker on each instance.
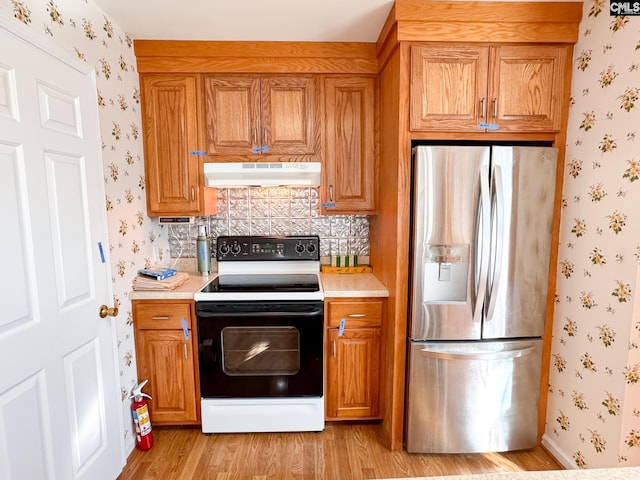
(83, 29)
(593, 413)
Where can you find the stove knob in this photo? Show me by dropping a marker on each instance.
(235, 249)
(311, 248)
(299, 248)
(224, 249)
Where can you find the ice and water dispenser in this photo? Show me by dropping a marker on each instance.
(445, 273)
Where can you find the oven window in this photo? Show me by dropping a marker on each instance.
(260, 350)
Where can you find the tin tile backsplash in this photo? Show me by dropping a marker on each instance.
(275, 211)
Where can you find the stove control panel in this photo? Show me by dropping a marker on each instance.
(268, 248)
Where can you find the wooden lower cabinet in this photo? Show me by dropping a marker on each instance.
(353, 359)
(167, 358)
(353, 372)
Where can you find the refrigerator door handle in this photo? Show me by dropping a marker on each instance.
(483, 236)
(505, 354)
(498, 247)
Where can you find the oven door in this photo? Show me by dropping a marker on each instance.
(257, 349)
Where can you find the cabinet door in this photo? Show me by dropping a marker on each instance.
(166, 359)
(289, 115)
(527, 87)
(353, 372)
(448, 87)
(232, 115)
(170, 131)
(275, 114)
(349, 161)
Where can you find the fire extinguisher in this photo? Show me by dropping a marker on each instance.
(141, 417)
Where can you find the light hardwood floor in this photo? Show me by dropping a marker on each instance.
(343, 451)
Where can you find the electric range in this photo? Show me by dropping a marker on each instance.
(260, 336)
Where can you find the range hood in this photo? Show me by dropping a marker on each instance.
(249, 174)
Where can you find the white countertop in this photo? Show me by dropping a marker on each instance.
(183, 292)
(333, 284)
(624, 473)
(352, 285)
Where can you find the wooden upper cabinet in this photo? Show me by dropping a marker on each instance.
(526, 87)
(349, 168)
(513, 88)
(289, 115)
(448, 85)
(271, 115)
(232, 114)
(170, 133)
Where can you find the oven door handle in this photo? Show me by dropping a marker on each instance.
(312, 313)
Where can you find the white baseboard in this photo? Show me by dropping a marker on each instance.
(561, 457)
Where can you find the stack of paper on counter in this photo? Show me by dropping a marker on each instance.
(144, 282)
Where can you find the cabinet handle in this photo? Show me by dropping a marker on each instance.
(483, 110)
(495, 108)
(334, 349)
(193, 194)
(186, 352)
(357, 315)
(265, 137)
(331, 193)
(160, 318)
(255, 136)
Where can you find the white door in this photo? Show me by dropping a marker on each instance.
(60, 415)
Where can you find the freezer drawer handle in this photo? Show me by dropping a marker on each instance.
(478, 355)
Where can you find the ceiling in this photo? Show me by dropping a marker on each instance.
(250, 20)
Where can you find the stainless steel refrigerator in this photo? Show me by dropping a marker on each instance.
(482, 221)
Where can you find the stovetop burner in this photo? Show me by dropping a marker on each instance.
(264, 283)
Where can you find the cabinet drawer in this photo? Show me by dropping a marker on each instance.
(166, 316)
(357, 314)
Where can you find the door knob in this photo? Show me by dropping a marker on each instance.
(104, 311)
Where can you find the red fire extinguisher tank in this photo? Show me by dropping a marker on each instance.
(141, 418)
